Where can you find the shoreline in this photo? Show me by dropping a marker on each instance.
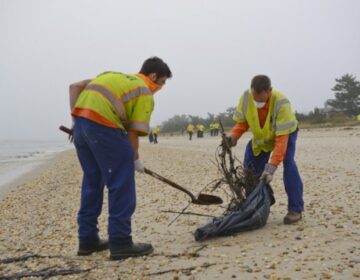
(37, 169)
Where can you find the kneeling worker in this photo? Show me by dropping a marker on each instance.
(110, 112)
(268, 114)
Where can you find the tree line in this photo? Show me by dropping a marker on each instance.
(346, 104)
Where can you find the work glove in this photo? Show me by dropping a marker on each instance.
(139, 167)
(268, 173)
(71, 134)
(229, 141)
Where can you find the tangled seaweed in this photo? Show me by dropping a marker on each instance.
(236, 181)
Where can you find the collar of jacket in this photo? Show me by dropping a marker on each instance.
(154, 87)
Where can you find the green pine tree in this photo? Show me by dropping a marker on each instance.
(347, 95)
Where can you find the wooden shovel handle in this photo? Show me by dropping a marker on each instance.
(147, 171)
(171, 183)
(66, 130)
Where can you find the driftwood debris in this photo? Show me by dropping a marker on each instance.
(21, 258)
(239, 181)
(192, 254)
(186, 271)
(44, 273)
(235, 180)
(188, 205)
(188, 213)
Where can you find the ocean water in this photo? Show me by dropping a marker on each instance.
(19, 157)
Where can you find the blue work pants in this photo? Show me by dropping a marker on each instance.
(107, 158)
(291, 177)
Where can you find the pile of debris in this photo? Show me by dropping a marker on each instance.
(249, 198)
(236, 181)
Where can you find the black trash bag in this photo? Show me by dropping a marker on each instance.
(253, 214)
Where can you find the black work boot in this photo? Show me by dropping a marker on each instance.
(91, 245)
(123, 248)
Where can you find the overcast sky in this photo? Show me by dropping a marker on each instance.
(213, 48)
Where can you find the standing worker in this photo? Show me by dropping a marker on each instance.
(151, 136)
(155, 132)
(201, 130)
(212, 132)
(268, 114)
(216, 126)
(110, 112)
(190, 130)
(198, 133)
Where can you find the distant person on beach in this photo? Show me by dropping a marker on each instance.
(190, 130)
(268, 114)
(212, 129)
(155, 131)
(216, 126)
(110, 112)
(200, 130)
(151, 137)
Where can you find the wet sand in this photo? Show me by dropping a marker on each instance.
(39, 217)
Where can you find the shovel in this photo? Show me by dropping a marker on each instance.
(201, 199)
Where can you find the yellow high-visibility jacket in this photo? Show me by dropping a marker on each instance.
(280, 120)
(117, 100)
(190, 128)
(155, 129)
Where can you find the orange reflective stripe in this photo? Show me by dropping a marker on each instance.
(118, 106)
(92, 115)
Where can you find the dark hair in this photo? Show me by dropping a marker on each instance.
(155, 65)
(260, 83)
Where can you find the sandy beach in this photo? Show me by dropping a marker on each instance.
(39, 217)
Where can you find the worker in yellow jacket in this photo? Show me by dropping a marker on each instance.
(216, 126)
(211, 127)
(268, 114)
(155, 131)
(110, 112)
(200, 129)
(190, 129)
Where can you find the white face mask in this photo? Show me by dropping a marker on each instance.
(259, 104)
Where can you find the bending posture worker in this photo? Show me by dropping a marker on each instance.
(268, 114)
(110, 112)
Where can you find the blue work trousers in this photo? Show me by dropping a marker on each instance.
(107, 158)
(292, 180)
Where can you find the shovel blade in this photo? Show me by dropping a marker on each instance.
(207, 199)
